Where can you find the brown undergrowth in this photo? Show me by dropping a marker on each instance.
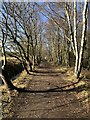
(7, 96)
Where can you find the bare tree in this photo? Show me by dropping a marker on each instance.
(83, 38)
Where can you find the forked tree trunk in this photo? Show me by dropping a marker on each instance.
(78, 54)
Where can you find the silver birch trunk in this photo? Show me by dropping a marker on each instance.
(83, 37)
(75, 36)
(70, 28)
(3, 52)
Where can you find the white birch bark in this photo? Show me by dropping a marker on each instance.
(75, 36)
(70, 28)
(83, 36)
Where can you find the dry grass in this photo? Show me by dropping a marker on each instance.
(83, 84)
(61, 69)
(7, 97)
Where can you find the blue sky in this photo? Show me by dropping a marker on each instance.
(43, 18)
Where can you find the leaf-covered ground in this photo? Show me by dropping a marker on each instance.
(50, 92)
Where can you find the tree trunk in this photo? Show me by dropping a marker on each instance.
(70, 27)
(83, 38)
(4, 75)
(75, 37)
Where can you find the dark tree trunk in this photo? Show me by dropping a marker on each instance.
(7, 81)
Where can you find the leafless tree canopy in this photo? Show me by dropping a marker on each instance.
(57, 32)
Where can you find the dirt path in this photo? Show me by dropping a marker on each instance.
(43, 103)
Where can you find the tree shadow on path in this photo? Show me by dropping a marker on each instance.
(49, 95)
